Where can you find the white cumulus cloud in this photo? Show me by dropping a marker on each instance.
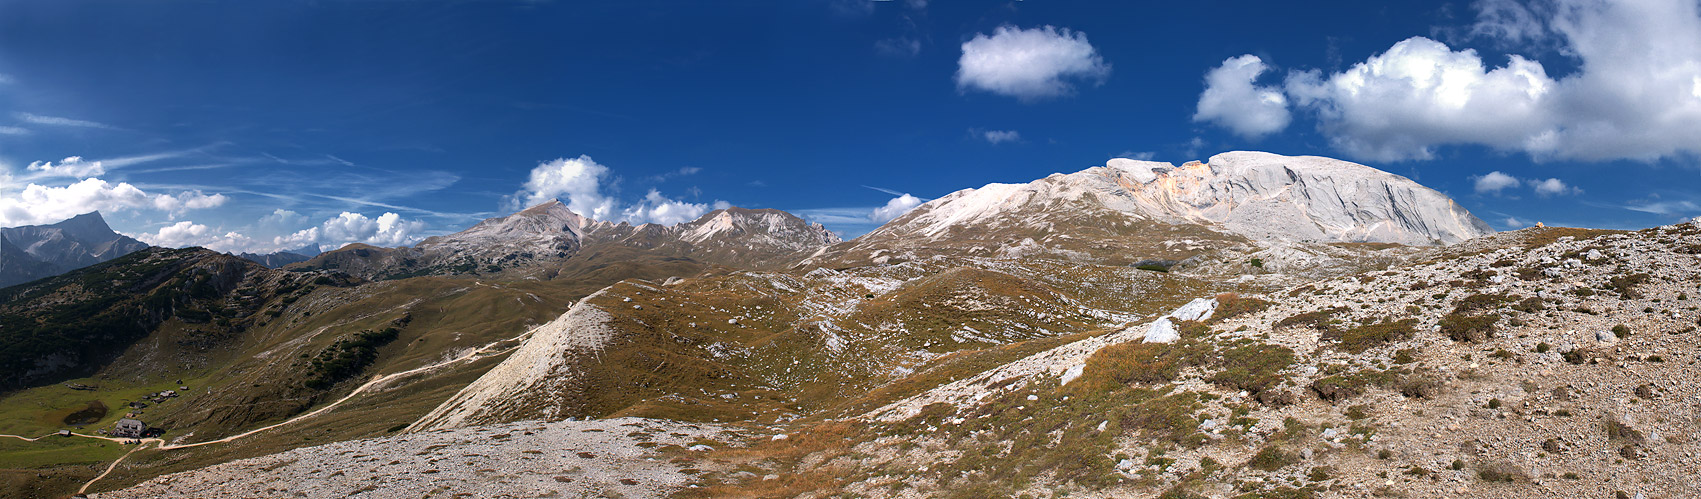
(1233, 100)
(1553, 187)
(895, 208)
(1029, 64)
(658, 209)
(387, 230)
(1636, 93)
(185, 233)
(73, 166)
(1494, 182)
(39, 204)
(1400, 104)
(579, 182)
(283, 218)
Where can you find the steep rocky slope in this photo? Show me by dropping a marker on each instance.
(48, 250)
(1129, 211)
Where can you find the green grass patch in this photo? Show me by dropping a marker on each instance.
(57, 451)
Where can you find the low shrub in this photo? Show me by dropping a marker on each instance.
(1359, 339)
(1472, 328)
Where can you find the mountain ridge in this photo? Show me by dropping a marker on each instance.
(541, 238)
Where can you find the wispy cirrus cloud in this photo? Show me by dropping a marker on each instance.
(60, 121)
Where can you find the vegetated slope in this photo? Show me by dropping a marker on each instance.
(777, 346)
(53, 249)
(1542, 362)
(310, 343)
(543, 240)
(74, 324)
(297, 345)
(1130, 210)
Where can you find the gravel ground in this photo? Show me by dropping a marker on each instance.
(601, 458)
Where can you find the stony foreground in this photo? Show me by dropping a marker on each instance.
(623, 457)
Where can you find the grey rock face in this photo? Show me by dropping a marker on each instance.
(1270, 196)
(1253, 194)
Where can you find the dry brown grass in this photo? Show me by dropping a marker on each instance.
(832, 438)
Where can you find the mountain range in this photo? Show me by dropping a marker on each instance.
(549, 239)
(1253, 325)
(32, 252)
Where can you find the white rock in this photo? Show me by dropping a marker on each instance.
(1198, 309)
(1073, 372)
(1162, 331)
(700, 448)
(783, 436)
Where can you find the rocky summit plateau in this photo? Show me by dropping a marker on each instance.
(1249, 326)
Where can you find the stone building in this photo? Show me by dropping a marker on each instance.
(129, 428)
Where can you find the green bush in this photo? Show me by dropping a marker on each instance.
(1472, 328)
(1270, 458)
(1359, 339)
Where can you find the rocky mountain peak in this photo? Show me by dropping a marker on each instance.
(548, 219)
(57, 248)
(1270, 196)
(738, 222)
(1253, 194)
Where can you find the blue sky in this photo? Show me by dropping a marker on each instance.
(261, 125)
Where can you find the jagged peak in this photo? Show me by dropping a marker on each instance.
(734, 220)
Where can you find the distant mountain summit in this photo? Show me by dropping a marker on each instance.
(35, 251)
(547, 235)
(281, 258)
(1131, 209)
